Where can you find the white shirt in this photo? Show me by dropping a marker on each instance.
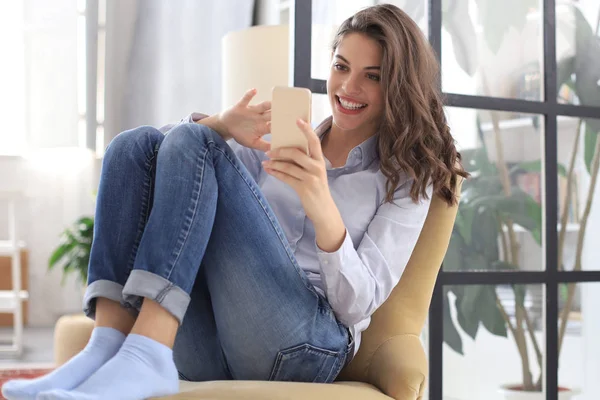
(380, 237)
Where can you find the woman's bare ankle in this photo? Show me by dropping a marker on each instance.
(156, 323)
(110, 313)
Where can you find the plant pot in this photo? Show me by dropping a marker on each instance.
(514, 392)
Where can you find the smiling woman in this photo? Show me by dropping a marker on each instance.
(354, 88)
(384, 79)
(199, 237)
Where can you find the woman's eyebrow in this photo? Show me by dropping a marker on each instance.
(348, 62)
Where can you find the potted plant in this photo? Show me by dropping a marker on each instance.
(73, 252)
(492, 208)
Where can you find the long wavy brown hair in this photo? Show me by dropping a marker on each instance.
(414, 137)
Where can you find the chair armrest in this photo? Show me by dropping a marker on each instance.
(263, 390)
(399, 368)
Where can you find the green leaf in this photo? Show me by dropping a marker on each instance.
(535, 166)
(466, 311)
(589, 145)
(464, 222)
(488, 312)
(587, 59)
(499, 265)
(476, 261)
(87, 221)
(476, 160)
(486, 200)
(451, 335)
(478, 190)
(59, 253)
(461, 31)
(520, 291)
(522, 209)
(537, 235)
(563, 292)
(496, 21)
(453, 260)
(485, 235)
(564, 69)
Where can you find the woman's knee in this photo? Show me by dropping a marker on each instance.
(142, 141)
(188, 136)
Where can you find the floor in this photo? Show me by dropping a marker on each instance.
(38, 350)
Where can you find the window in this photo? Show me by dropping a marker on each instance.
(44, 77)
(522, 83)
(12, 78)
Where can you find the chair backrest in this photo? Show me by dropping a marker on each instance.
(404, 313)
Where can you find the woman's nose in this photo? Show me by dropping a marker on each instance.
(351, 86)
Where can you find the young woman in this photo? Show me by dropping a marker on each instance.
(210, 263)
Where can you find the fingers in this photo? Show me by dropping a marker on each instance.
(245, 100)
(314, 144)
(262, 107)
(287, 167)
(263, 127)
(262, 145)
(266, 116)
(294, 155)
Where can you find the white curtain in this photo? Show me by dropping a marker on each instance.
(163, 58)
(162, 61)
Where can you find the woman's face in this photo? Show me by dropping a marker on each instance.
(354, 87)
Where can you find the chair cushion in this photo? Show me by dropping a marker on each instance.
(251, 390)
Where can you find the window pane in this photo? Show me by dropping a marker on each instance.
(51, 54)
(499, 223)
(578, 51)
(326, 17)
(418, 10)
(493, 48)
(321, 108)
(576, 190)
(12, 78)
(488, 343)
(579, 329)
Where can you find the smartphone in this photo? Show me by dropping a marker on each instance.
(287, 105)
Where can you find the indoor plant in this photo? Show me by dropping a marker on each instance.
(484, 237)
(73, 252)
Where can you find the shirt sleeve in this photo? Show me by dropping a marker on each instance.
(185, 120)
(249, 157)
(358, 281)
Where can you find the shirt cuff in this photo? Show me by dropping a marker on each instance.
(331, 263)
(195, 117)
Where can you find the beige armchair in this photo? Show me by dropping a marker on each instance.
(391, 362)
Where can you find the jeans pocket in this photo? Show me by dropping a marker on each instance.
(306, 363)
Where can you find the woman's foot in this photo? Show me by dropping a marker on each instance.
(103, 345)
(141, 369)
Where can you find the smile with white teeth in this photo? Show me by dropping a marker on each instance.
(350, 105)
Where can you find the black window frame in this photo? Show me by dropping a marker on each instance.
(550, 277)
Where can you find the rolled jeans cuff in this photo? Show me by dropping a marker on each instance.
(142, 284)
(102, 288)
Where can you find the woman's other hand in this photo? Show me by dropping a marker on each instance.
(245, 123)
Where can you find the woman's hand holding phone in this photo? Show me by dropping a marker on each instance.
(305, 173)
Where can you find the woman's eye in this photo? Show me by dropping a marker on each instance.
(374, 77)
(339, 67)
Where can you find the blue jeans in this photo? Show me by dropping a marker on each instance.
(179, 220)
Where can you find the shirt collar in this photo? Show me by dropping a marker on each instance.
(366, 151)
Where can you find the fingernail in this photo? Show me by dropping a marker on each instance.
(268, 153)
